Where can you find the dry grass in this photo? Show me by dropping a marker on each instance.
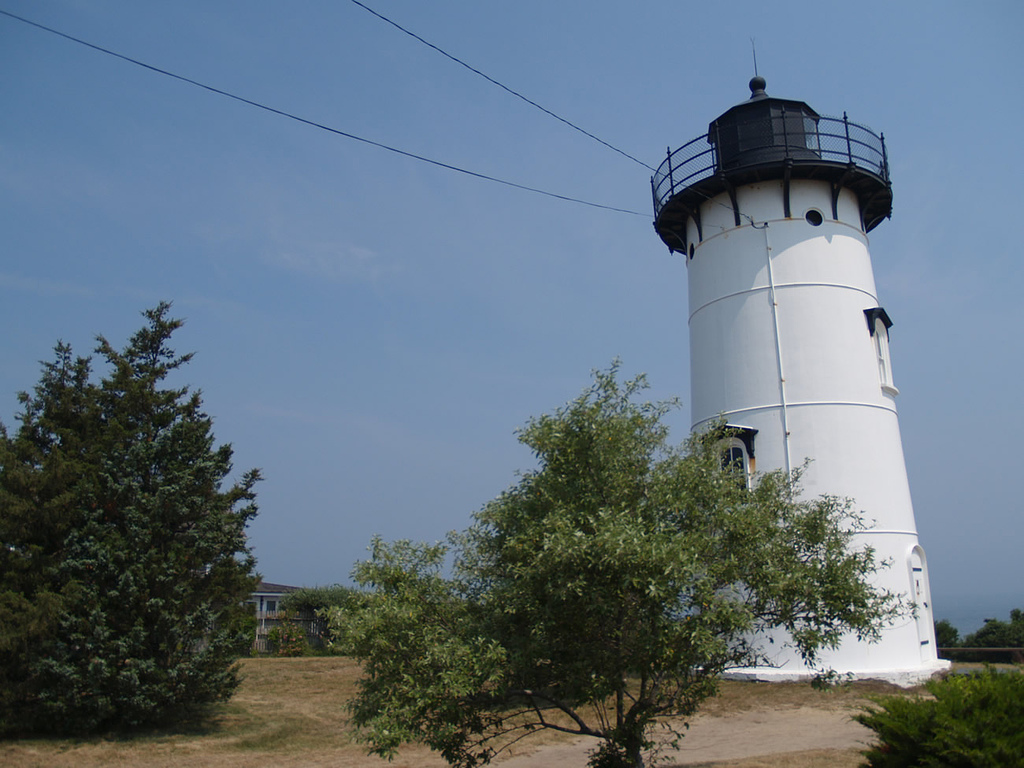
(291, 712)
(287, 712)
(735, 696)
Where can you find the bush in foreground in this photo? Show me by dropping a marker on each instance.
(972, 721)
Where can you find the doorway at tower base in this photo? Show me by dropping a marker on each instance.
(905, 678)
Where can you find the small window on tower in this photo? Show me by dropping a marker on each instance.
(734, 456)
(738, 452)
(734, 460)
(878, 326)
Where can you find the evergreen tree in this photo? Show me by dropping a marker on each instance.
(123, 560)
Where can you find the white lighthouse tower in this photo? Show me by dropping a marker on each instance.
(788, 341)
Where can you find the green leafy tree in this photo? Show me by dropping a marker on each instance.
(329, 605)
(999, 634)
(307, 601)
(123, 557)
(605, 591)
(946, 635)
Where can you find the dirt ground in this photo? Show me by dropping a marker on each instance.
(292, 713)
(784, 738)
(714, 739)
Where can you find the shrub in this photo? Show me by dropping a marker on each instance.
(288, 638)
(971, 721)
(309, 600)
(242, 627)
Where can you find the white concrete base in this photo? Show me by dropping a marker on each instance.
(905, 678)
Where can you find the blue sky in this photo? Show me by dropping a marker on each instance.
(370, 330)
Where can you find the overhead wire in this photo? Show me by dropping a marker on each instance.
(313, 123)
(504, 87)
(518, 95)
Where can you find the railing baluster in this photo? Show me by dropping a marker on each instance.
(849, 149)
(885, 159)
(671, 180)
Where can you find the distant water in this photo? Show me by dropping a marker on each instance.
(968, 612)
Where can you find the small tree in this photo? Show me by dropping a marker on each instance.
(308, 601)
(329, 605)
(605, 591)
(946, 635)
(999, 634)
(123, 559)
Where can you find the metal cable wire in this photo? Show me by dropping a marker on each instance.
(504, 87)
(313, 123)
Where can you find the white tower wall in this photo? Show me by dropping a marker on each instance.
(779, 342)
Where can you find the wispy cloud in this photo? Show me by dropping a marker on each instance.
(333, 262)
(42, 287)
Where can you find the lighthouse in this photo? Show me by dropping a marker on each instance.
(789, 343)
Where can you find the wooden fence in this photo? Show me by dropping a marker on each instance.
(314, 627)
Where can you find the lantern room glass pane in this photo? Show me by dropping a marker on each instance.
(788, 127)
(812, 141)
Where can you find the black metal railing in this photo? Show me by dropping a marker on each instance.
(830, 140)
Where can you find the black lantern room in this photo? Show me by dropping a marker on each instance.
(765, 138)
(764, 130)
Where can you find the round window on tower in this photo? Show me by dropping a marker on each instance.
(814, 217)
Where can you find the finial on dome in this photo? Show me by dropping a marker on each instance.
(757, 85)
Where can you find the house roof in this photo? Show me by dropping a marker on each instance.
(269, 588)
